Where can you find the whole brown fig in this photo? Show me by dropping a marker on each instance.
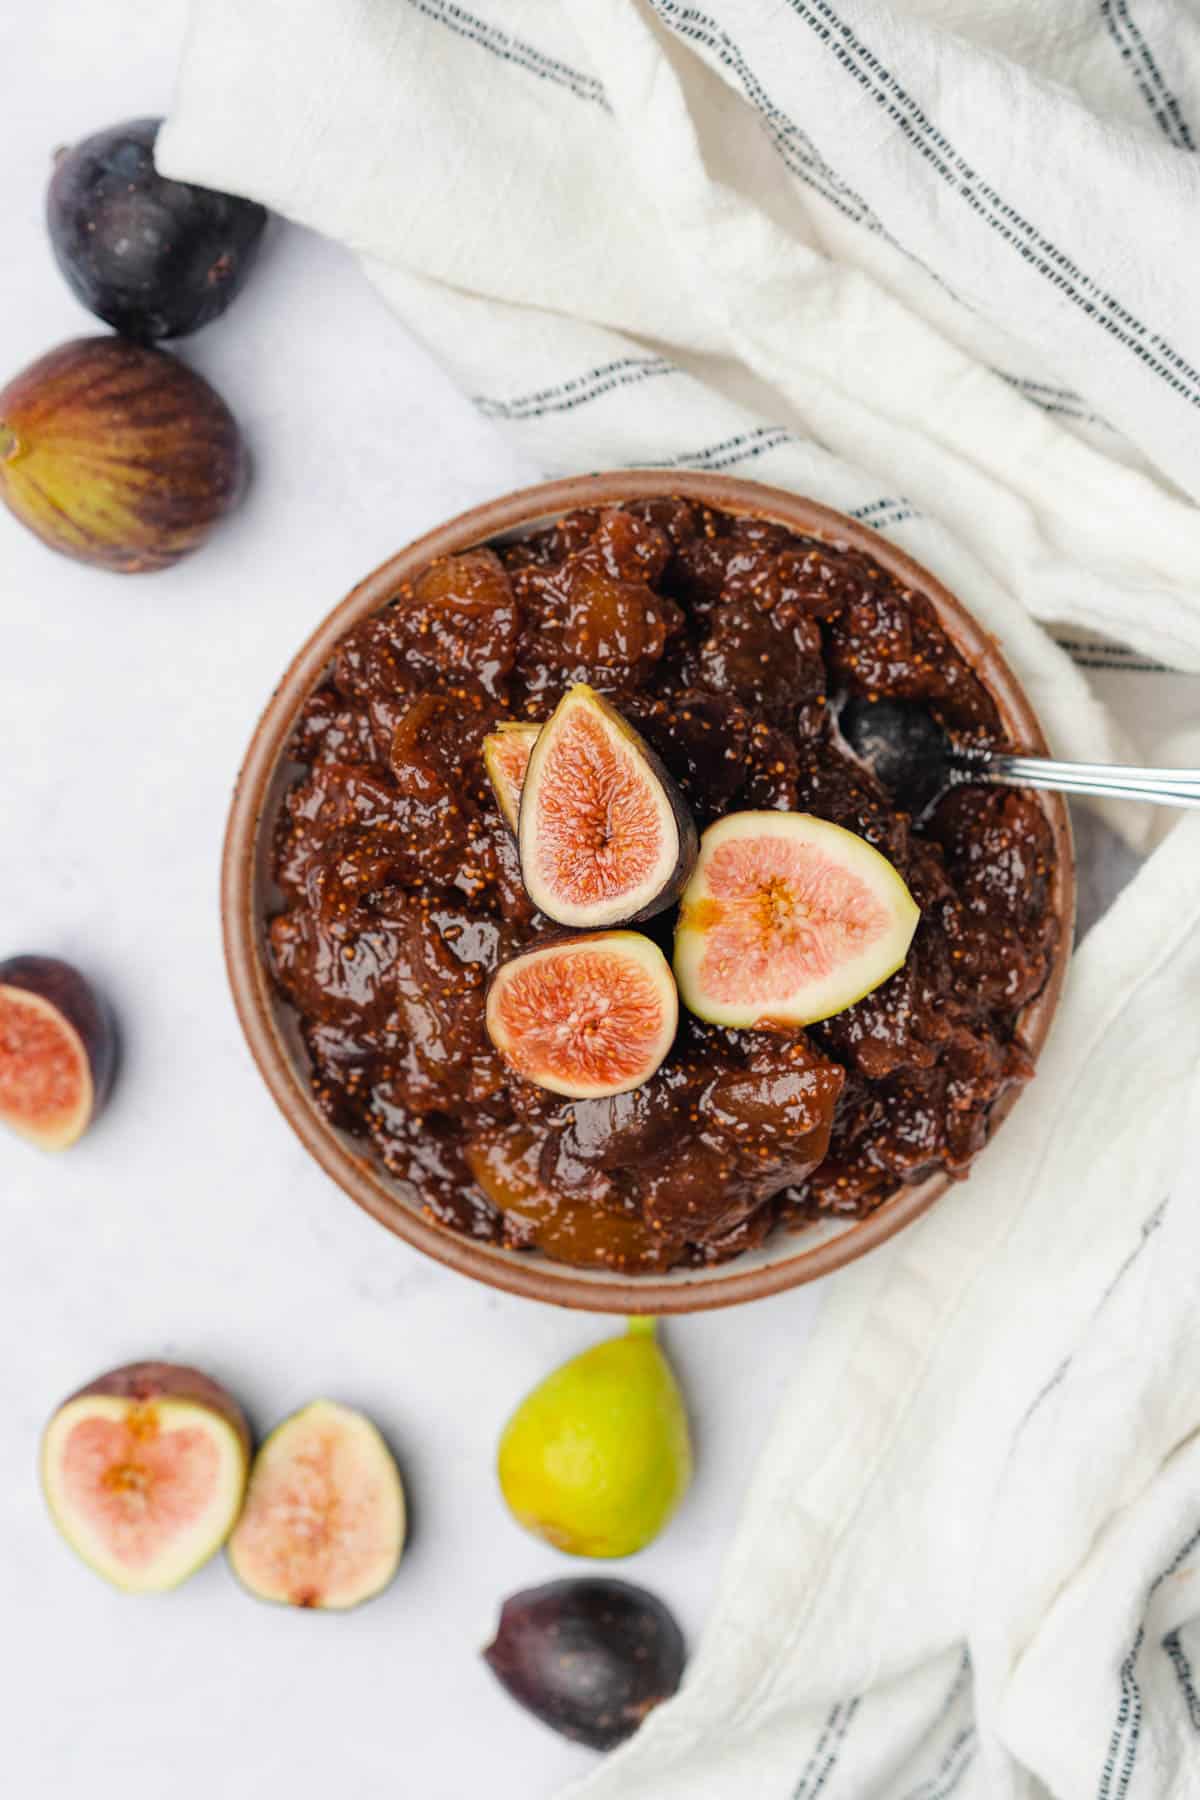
(117, 454)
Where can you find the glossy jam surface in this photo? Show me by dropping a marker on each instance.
(728, 643)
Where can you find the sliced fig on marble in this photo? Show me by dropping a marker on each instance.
(605, 835)
(585, 1016)
(588, 1656)
(57, 1051)
(144, 1472)
(324, 1520)
(786, 920)
(506, 754)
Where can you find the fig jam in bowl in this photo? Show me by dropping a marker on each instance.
(372, 887)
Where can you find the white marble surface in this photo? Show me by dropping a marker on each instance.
(190, 1224)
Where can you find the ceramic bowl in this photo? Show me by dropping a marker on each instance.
(787, 1258)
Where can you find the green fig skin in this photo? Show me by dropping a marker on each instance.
(598, 1457)
(118, 455)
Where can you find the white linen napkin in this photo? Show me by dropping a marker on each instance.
(936, 265)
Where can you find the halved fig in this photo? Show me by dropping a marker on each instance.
(588, 1656)
(585, 1016)
(506, 754)
(144, 1472)
(57, 1051)
(605, 835)
(788, 919)
(324, 1520)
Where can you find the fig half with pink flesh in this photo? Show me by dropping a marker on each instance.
(324, 1520)
(604, 834)
(144, 1472)
(506, 753)
(586, 1016)
(787, 919)
(57, 1051)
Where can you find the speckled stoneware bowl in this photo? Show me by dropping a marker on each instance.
(787, 1258)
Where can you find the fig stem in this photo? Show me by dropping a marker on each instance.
(643, 1326)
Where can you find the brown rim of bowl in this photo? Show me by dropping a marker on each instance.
(517, 1272)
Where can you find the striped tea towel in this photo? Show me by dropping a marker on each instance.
(937, 264)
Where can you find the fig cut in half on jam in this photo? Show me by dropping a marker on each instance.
(506, 753)
(585, 1016)
(57, 1051)
(787, 919)
(605, 836)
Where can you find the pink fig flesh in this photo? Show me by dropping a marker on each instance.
(144, 1472)
(57, 1051)
(604, 834)
(787, 920)
(506, 758)
(585, 1016)
(324, 1521)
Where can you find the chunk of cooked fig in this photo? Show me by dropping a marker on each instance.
(590, 1657)
(57, 1051)
(324, 1520)
(506, 1162)
(506, 753)
(144, 1471)
(788, 919)
(586, 1016)
(605, 835)
(458, 618)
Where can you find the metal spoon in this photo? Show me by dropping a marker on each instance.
(909, 753)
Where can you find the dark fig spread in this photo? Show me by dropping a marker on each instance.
(727, 643)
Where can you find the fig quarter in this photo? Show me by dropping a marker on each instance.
(604, 834)
(506, 753)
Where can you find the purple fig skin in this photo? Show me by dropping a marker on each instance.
(146, 1382)
(73, 998)
(152, 257)
(588, 1656)
(118, 455)
(689, 840)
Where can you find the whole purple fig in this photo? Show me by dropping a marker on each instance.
(589, 1656)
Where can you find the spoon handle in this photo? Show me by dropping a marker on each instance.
(1112, 781)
